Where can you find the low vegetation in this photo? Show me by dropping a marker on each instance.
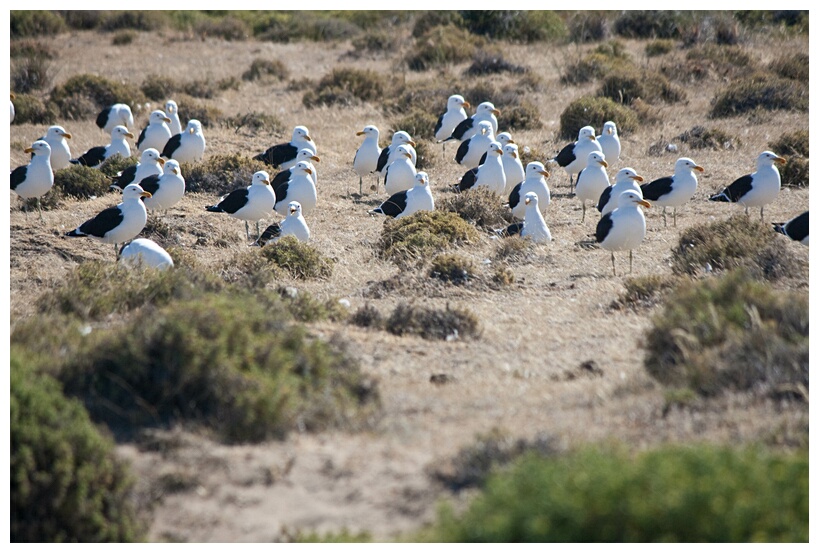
(442, 45)
(413, 238)
(595, 111)
(480, 207)
(646, 291)
(730, 333)
(80, 182)
(671, 494)
(795, 66)
(452, 268)
(625, 86)
(83, 96)
(261, 67)
(433, 323)
(759, 91)
(346, 86)
(221, 173)
(701, 138)
(29, 108)
(605, 58)
(298, 259)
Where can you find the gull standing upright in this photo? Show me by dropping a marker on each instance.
(172, 111)
(400, 174)
(300, 188)
(282, 177)
(625, 179)
(512, 167)
(592, 181)
(624, 228)
(60, 152)
(489, 175)
(253, 203)
(469, 127)
(390, 153)
(36, 178)
(573, 157)
(533, 225)
(454, 114)
(118, 146)
(156, 134)
(166, 189)
(610, 142)
(675, 190)
(536, 175)
(471, 150)
(149, 164)
(757, 189)
(366, 157)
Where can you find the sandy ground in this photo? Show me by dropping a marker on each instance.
(522, 377)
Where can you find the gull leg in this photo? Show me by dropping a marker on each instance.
(360, 186)
(675, 216)
(746, 211)
(584, 212)
(258, 232)
(613, 268)
(630, 270)
(247, 229)
(40, 210)
(761, 209)
(665, 218)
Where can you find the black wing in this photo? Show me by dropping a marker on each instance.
(91, 158)
(394, 205)
(511, 230)
(102, 118)
(232, 203)
(141, 138)
(280, 179)
(483, 159)
(462, 128)
(171, 146)
(270, 233)
(18, 176)
(656, 189)
(566, 155)
(278, 154)
(125, 178)
(281, 191)
(103, 222)
(514, 195)
(463, 149)
(738, 188)
(603, 227)
(604, 199)
(438, 125)
(382, 159)
(468, 180)
(150, 184)
(797, 228)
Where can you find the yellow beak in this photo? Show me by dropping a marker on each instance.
(145, 195)
(644, 203)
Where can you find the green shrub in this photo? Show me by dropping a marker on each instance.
(590, 110)
(138, 20)
(792, 143)
(254, 122)
(158, 88)
(796, 171)
(515, 25)
(96, 92)
(225, 362)
(436, 18)
(417, 123)
(625, 86)
(520, 117)
(345, 86)
(795, 19)
(368, 316)
(31, 48)
(81, 182)
(488, 63)
(306, 25)
(659, 47)
(735, 242)
(700, 138)
(422, 234)
(731, 333)
(227, 28)
(220, 173)
(597, 63)
(650, 24)
(433, 323)
(759, 91)
(190, 108)
(646, 291)
(26, 23)
(67, 484)
(114, 164)
(795, 66)
(306, 308)
(697, 493)
(378, 42)
(452, 268)
(588, 26)
(480, 206)
(31, 109)
(84, 20)
(261, 67)
(28, 74)
(300, 260)
(123, 38)
(442, 45)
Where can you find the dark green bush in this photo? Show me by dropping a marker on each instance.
(368, 316)
(650, 24)
(520, 117)
(418, 123)
(426, 20)
(796, 171)
(300, 260)
(345, 86)
(306, 308)
(138, 20)
(486, 62)
(225, 362)
(261, 67)
(700, 138)
(190, 108)
(442, 45)
(422, 234)
(479, 206)
(594, 111)
(720, 61)
(453, 268)
(95, 92)
(759, 91)
(433, 323)
(67, 484)
(597, 63)
(81, 182)
(625, 86)
(26, 23)
(659, 47)
(646, 291)
(376, 42)
(697, 493)
(254, 122)
(29, 74)
(739, 241)
(588, 26)
(515, 25)
(115, 164)
(730, 333)
(123, 38)
(791, 143)
(31, 48)
(227, 28)
(314, 25)
(158, 88)
(794, 19)
(220, 173)
(84, 20)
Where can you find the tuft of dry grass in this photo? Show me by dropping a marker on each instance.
(479, 206)
(297, 258)
(594, 111)
(700, 138)
(759, 91)
(452, 268)
(422, 234)
(432, 323)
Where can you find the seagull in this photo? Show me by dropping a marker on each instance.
(757, 189)
(366, 157)
(156, 134)
(472, 149)
(407, 202)
(172, 111)
(533, 225)
(117, 114)
(60, 152)
(390, 153)
(512, 167)
(11, 106)
(253, 203)
(490, 174)
(283, 176)
(573, 157)
(536, 175)
(120, 223)
(166, 188)
(610, 142)
(149, 164)
(284, 155)
(796, 229)
(504, 138)
(468, 128)
(36, 178)
(118, 146)
(293, 225)
(144, 252)
(186, 147)
(300, 188)
(453, 115)
(624, 228)
(675, 190)
(592, 181)
(625, 179)
(400, 174)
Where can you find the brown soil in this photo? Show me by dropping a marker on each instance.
(522, 376)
